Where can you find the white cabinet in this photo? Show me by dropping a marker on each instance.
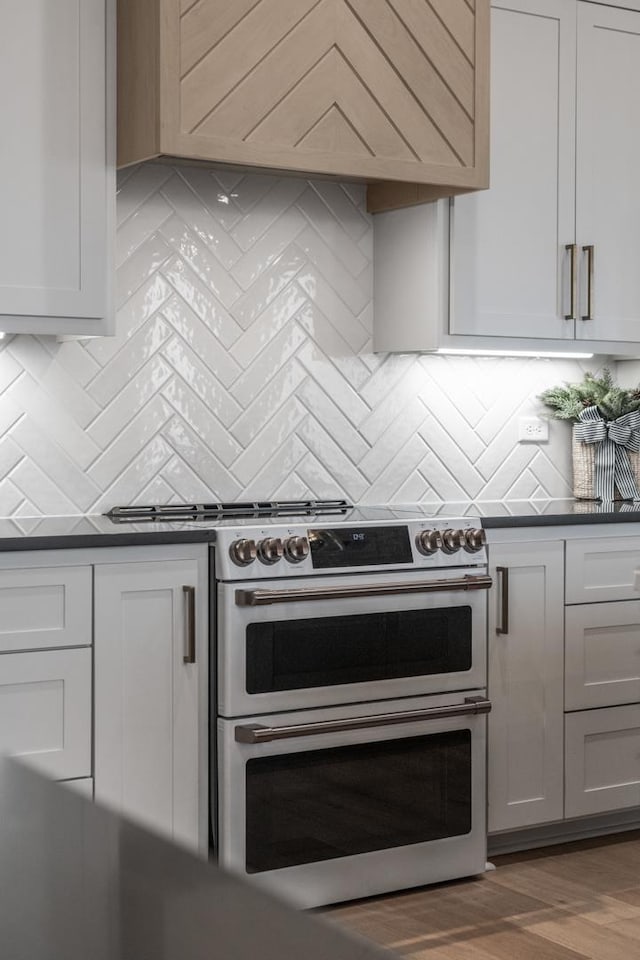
(525, 773)
(602, 769)
(550, 251)
(45, 685)
(150, 693)
(602, 675)
(57, 187)
(45, 710)
(546, 258)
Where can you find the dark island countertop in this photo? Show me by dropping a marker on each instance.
(97, 530)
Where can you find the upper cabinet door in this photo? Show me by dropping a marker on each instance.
(54, 183)
(607, 185)
(391, 90)
(510, 271)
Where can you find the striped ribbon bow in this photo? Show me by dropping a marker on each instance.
(614, 438)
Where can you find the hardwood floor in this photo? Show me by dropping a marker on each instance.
(570, 902)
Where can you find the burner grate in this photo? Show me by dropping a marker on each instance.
(222, 511)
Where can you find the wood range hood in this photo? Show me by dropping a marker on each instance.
(394, 93)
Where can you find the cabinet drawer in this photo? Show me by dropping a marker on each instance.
(602, 569)
(602, 654)
(601, 760)
(45, 607)
(45, 710)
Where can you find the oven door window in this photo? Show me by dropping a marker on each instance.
(301, 654)
(339, 802)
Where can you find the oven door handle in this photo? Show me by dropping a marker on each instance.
(258, 598)
(258, 733)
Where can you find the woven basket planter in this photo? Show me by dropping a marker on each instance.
(584, 457)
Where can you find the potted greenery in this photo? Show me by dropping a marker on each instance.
(606, 435)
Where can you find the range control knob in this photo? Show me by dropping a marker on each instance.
(474, 540)
(270, 550)
(452, 540)
(428, 542)
(243, 552)
(296, 549)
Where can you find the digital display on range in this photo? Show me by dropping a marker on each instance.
(359, 546)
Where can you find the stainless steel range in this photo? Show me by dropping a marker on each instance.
(349, 700)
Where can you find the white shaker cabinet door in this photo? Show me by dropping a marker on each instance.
(526, 684)
(510, 271)
(150, 727)
(607, 193)
(56, 182)
(45, 710)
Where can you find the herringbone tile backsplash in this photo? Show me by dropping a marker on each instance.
(242, 368)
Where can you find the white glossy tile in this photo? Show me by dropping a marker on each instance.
(272, 319)
(335, 382)
(268, 248)
(199, 218)
(202, 420)
(140, 225)
(38, 445)
(128, 402)
(197, 337)
(266, 405)
(241, 367)
(389, 446)
(126, 447)
(267, 210)
(264, 447)
(189, 248)
(269, 284)
(321, 406)
(200, 300)
(202, 461)
(200, 378)
(139, 350)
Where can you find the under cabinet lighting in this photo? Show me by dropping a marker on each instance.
(461, 352)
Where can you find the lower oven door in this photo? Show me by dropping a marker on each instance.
(328, 805)
(315, 642)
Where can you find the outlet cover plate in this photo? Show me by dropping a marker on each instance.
(533, 430)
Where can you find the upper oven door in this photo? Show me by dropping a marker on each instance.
(347, 639)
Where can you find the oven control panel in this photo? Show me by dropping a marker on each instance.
(251, 553)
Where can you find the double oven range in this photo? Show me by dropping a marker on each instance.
(348, 695)
(350, 700)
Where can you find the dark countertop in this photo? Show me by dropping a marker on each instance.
(544, 513)
(79, 882)
(96, 530)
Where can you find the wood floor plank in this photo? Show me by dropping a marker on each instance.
(578, 901)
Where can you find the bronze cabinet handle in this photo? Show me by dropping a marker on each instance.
(590, 252)
(503, 574)
(259, 733)
(573, 247)
(259, 598)
(190, 605)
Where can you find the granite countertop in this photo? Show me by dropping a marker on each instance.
(96, 530)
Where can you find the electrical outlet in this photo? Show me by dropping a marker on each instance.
(533, 430)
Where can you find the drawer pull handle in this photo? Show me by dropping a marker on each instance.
(190, 607)
(589, 250)
(503, 576)
(573, 248)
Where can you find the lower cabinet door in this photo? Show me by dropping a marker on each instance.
(602, 771)
(602, 654)
(45, 710)
(525, 765)
(150, 650)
